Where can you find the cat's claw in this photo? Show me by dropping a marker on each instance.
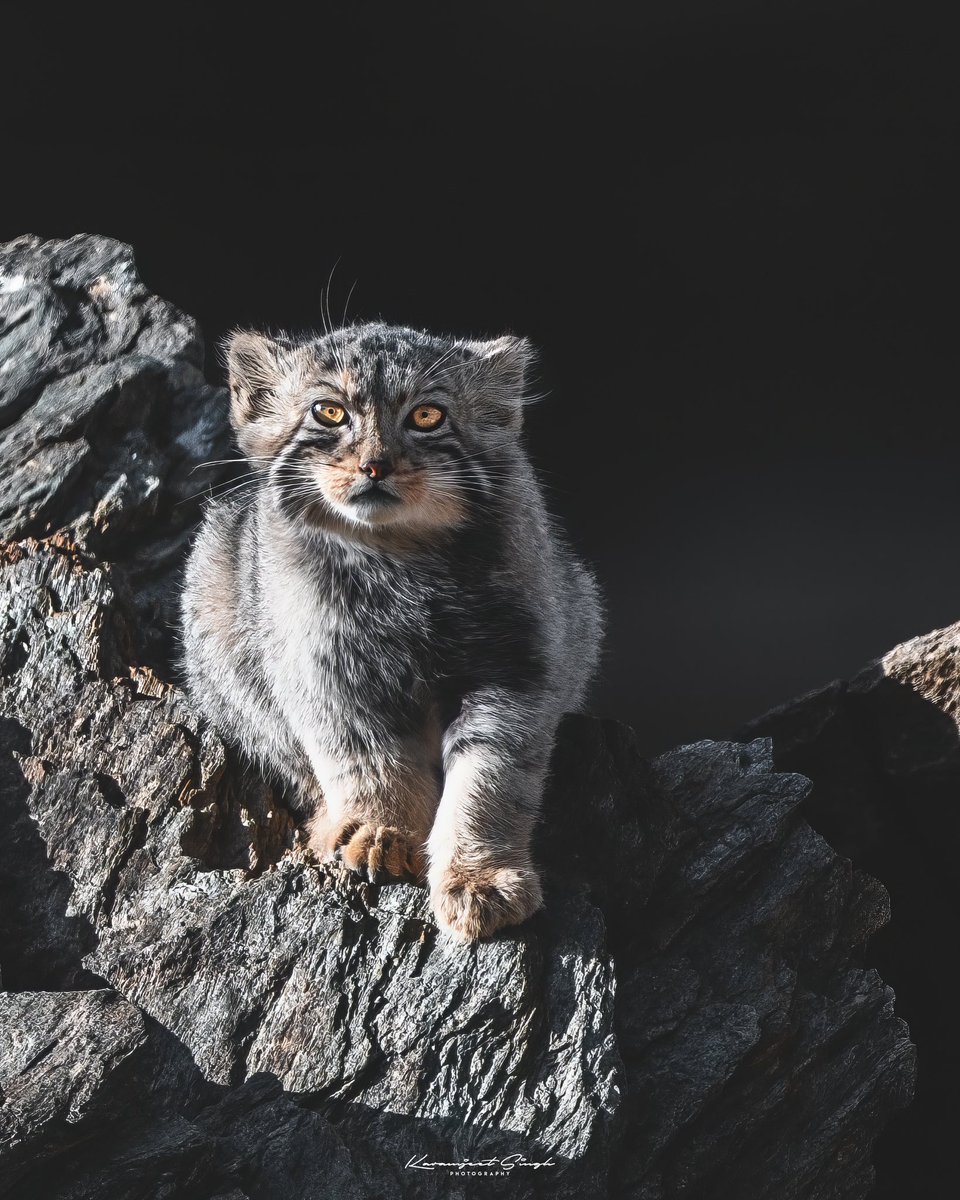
(377, 853)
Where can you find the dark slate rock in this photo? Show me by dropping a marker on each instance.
(74, 1064)
(106, 420)
(883, 753)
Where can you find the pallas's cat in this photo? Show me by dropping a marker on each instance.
(385, 616)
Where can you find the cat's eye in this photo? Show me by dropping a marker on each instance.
(328, 413)
(426, 416)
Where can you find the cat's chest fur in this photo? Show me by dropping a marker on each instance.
(351, 628)
(395, 638)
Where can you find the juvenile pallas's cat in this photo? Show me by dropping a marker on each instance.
(388, 618)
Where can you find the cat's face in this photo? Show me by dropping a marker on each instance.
(377, 426)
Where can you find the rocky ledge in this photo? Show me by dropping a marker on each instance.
(190, 1007)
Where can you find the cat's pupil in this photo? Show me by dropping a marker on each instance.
(427, 417)
(332, 414)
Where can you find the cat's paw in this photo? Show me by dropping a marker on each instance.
(473, 902)
(376, 852)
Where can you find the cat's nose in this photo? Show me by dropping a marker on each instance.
(376, 468)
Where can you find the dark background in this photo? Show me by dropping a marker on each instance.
(729, 226)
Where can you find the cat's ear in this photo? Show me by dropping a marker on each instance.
(499, 377)
(256, 366)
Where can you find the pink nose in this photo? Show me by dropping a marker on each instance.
(376, 468)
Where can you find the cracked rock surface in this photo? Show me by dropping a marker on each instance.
(191, 1007)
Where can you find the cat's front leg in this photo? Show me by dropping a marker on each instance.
(481, 873)
(374, 815)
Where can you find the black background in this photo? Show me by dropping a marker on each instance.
(728, 226)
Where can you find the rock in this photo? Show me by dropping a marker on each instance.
(99, 1135)
(335, 989)
(689, 1016)
(742, 1006)
(107, 425)
(893, 727)
(44, 1038)
(883, 753)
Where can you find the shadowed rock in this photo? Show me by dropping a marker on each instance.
(883, 753)
(689, 1016)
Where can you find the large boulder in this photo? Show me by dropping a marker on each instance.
(195, 1007)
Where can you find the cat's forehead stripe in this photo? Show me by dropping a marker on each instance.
(381, 365)
(406, 347)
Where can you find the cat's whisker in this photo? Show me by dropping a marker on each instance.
(431, 369)
(216, 462)
(235, 481)
(459, 488)
(208, 492)
(324, 295)
(470, 470)
(485, 455)
(327, 321)
(347, 305)
(496, 479)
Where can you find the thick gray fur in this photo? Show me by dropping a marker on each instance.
(399, 649)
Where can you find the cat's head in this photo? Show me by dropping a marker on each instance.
(375, 425)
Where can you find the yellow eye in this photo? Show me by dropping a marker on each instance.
(329, 414)
(426, 416)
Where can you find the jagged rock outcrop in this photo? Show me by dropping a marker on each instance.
(108, 429)
(883, 753)
(195, 1008)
